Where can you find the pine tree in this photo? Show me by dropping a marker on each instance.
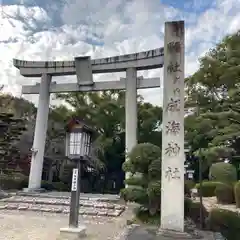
(214, 98)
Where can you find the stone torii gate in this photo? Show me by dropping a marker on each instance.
(172, 56)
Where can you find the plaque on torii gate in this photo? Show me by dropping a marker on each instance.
(172, 56)
(84, 73)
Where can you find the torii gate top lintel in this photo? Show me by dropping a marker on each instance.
(141, 61)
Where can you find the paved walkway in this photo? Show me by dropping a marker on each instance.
(17, 225)
(34, 225)
(138, 233)
(25, 225)
(142, 233)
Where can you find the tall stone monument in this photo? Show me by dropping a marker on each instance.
(172, 198)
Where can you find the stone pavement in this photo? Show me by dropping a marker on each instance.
(29, 225)
(40, 217)
(137, 232)
(94, 206)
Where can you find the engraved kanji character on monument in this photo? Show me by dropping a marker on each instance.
(173, 127)
(168, 173)
(172, 150)
(176, 173)
(173, 105)
(174, 46)
(173, 67)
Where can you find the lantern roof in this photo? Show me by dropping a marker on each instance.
(78, 123)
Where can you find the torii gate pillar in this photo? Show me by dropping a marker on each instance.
(40, 133)
(131, 111)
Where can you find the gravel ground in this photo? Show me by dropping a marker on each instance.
(211, 202)
(17, 225)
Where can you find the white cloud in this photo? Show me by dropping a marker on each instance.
(115, 27)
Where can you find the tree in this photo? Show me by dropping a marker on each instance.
(106, 112)
(144, 164)
(213, 95)
(11, 129)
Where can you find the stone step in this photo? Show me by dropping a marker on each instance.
(62, 202)
(66, 195)
(50, 208)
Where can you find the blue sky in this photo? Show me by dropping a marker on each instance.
(190, 5)
(62, 29)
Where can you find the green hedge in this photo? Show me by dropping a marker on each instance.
(226, 222)
(192, 210)
(208, 188)
(237, 194)
(224, 193)
(18, 181)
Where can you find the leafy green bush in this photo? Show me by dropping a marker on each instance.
(192, 210)
(237, 194)
(226, 222)
(142, 215)
(47, 185)
(190, 183)
(223, 172)
(133, 194)
(12, 181)
(188, 186)
(208, 188)
(60, 186)
(18, 181)
(57, 186)
(144, 185)
(224, 193)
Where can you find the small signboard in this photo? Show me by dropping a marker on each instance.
(74, 180)
(190, 175)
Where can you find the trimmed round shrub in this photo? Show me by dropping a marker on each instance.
(141, 157)
(237, 194)
(223, 172)
(224, 193)
(132, 194)
(226, 222)
(144, 183)
(208, 188)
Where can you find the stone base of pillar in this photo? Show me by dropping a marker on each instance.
(168, 234)
(34, 190)
(72, 233)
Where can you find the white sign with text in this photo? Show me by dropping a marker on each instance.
(74, 180)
